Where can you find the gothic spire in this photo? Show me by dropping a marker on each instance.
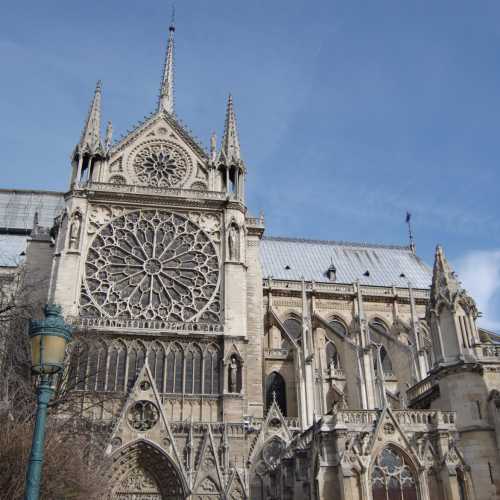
(90, 140)
(445, 285)
(230, 147)
(167, 82)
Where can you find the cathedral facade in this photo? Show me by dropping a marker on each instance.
(241, 366)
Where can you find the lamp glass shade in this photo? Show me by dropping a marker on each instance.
(47, 353)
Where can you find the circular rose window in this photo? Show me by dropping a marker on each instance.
(161, 164)
(152, 265)
(143, 415)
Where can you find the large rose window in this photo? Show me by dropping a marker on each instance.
(161, 164)
(152, 265)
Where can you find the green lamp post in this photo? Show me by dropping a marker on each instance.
(49, 337)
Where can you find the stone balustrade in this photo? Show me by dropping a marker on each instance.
(157, 191)
(276, 353)
(488, 351)
(166, 326)
(422, 387)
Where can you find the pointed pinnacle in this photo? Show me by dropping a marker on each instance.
(166, 102)
(91, 134)
(109, 135)
(230, 147)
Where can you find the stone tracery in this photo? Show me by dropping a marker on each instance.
(152, 265)
(161, 164)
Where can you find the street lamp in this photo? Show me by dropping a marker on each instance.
(49, 337)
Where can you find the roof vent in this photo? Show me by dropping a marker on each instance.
(287, 267)
(366, 273)
(402, 275)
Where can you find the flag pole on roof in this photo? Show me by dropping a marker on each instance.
(410, 232)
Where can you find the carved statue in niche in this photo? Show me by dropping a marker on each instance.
(75, 230)
(233, 375)
(233, 242)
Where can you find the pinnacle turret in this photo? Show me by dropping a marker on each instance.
(166, 102)
(445, 285)
(90, 140)
(230, 153)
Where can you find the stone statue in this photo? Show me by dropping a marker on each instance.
(233, 375)
(74, 231)
(232, 242)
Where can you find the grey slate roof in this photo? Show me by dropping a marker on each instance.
(310, 259)
(17, 211)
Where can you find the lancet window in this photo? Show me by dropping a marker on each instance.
(176, 368)
(332, 355)
(338, 327)
(393, 477)
(276, 389)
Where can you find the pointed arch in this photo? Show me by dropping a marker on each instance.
(338, 325)
(142, 468)
(116, 366)
(393, 475)
(211, 375)
(293, 326)
(96, 375)
(378, 326)
(276, 389)
(136, 357)
(156, 362)
(332, 355)
(175, 368)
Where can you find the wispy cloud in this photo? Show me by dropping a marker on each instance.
(479, 272)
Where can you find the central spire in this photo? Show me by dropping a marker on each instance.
(166, 102)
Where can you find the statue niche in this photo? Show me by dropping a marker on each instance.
(75, 230)
(234, 375)
(233, 242)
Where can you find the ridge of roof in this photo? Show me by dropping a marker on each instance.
(32, 191)
(337, 242)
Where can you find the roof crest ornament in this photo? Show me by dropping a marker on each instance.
(230, 153)
(166, 100)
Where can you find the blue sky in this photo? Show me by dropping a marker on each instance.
(349, 113)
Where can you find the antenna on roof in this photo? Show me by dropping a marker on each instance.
(410, 232)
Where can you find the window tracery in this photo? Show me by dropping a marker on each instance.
(161, 164)
(393, 477)
(338, 327)
(152, 265)
(276, 390)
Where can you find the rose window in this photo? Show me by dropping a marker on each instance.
(161, 164)
(152, 265)
(143, 415)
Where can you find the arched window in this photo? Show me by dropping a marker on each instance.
(386, 361)
(294, 328)
(136, 356)
(338, 327)
(96, 375)
(276, 389)
(175, 368)
(393, 477)
(211, 367)
(156, 361)
(77, 374)
(193, 370)
(378, 326)
(332, 355)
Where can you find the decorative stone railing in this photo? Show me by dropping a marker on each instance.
(166, 326)
(417, 419)
(335, 373)
(255, 221)
(276, 353)
(422, 387)
(345, 289)
(161, 191)
(488, 351)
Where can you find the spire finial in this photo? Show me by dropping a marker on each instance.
(410, 232)
(109, 135)
(230, 148)
(166, 102)
(91, 134)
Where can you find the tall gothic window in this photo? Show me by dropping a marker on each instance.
(211, 367)
(96, 375)
(175, 369)
(156, 361)
(393, 477)
(82, 355)
(332, 355)
(193, 371)
(294, 328)
(338, 327)
(276, 389)
(136, 356)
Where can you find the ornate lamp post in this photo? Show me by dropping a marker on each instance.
(48, 337)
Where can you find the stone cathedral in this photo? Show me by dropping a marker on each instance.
(244, 366)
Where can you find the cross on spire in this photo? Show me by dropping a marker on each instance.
(166, 102)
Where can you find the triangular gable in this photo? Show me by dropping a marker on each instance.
(235, 489)
(207, 465)
(149, 122)
(274, 426)
(128, 430)
(233, 350)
